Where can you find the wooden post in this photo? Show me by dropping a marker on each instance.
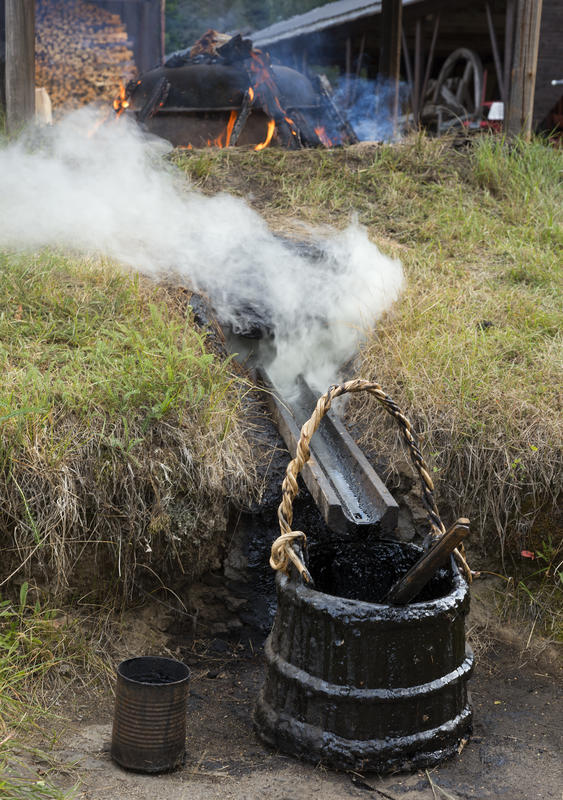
(523, 76)
(508, 45)
(2, 57)
(390, 53)
(20, 63)
(162, 31)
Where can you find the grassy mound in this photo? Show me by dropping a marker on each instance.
(121, 441)
(472, 351)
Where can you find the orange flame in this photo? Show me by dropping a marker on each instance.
(230, 126)
(121, 102)
(224, 138)
(266, 91)
(323, 138)
(268, 139)
(251, 94)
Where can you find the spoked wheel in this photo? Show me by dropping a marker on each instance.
(459, 89)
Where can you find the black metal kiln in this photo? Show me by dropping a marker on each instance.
(229, 93)
(201, 98)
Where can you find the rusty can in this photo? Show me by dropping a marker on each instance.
(149, 724)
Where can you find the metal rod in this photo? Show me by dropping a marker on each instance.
(430, 57)
(417, 71)
(408, 66)
(361, 55)
(348, 68)
(496, 53)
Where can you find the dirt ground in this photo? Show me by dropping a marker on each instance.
(515, 751)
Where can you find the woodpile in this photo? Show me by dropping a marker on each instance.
(82, 53)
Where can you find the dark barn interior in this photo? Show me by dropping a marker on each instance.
(349, 35)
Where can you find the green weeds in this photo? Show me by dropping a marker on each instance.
(39, 648)
(535, 597)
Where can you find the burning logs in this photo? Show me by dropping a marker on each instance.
(82, 52)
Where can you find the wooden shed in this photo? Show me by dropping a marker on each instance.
(349, 35)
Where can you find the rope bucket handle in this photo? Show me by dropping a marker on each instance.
(287, 547)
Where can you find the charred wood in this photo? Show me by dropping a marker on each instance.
(241, 119)
(324, 89)
(235, 50)
(407, 587)
(156, 100)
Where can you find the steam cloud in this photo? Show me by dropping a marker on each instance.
(114, 194)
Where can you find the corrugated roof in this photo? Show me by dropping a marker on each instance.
(318, 19)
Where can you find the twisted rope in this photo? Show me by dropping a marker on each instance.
(283, 549)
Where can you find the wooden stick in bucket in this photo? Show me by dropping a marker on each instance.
(407, 587)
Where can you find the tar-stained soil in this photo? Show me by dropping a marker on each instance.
(514, 753)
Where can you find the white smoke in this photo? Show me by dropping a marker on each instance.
(114, 194)
(367, 104)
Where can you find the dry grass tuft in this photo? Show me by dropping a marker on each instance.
(121, 441)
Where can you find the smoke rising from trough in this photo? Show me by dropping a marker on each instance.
(113, 194)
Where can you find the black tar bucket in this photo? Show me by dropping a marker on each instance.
(354, 680)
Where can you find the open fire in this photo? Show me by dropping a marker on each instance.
(223, 92)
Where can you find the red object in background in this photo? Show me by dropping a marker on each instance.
(527, 554)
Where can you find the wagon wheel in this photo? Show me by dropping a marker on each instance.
(459, 88)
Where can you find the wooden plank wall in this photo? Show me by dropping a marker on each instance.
(144, 20)
(550, 60)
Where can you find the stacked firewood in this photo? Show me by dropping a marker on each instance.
(82, 53)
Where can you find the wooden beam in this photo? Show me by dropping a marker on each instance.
(20, 63)
(390, 53)
(508, 47)
(524, 68)
(162, 31)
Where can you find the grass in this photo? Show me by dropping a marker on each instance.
(42, 652)
(535, 596)
(473, 350)
(120, 438)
